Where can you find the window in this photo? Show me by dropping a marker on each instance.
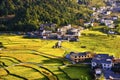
(75, 56)
(93, 63)
(75, 60)
(109, 65)
(105, 65)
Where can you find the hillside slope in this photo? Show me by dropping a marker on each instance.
(30, 13)
(26, 15)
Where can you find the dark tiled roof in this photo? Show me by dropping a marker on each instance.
(68, 56)
(102, 58)
(116, 9)
(82, 54)
(108, 73)
(99, 61)
(102, 55)
(72, 53)
(79, 54)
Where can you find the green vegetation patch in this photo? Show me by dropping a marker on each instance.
(81, 72)
(1, 45)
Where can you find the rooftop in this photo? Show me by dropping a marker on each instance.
(110, 74)
(99, 61)
(79, 54)
(102, 58)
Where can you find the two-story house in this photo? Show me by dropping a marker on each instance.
(78, 57)
(63, 30)
(108, 22)
(103, 61)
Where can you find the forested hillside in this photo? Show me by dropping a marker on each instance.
(26, 15)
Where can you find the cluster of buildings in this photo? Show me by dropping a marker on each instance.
(106, 15)
(101, 64)
(49, 31)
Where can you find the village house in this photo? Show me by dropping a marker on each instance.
(68, 33)
(111, 32)
(110, 75)
(88, 24)
(45, 34)
(49, 31)
(105, 64)
(116, 9)
(116, 60)
(108, 12)
(108, 22)
(94, 14)
(94, 8)
(117, 3)
(103, 61)
(78, 57)
(116, 67)
(63, 30)
(114, 18)
(101, 64)
(111, 26)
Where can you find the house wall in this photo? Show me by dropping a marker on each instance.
(77, 58)
(106, 66)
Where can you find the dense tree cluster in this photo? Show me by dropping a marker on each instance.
(28, 14)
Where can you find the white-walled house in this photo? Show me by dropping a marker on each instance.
(103, 61)
(114, 17)
(108, 22)
(111, 26)
(103, 64)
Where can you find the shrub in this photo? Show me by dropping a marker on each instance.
(1, 45)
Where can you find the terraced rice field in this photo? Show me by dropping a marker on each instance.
(30, 59)
(35, 59)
